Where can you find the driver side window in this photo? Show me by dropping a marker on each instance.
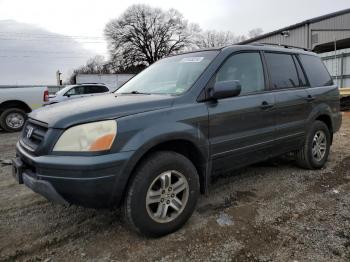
(247, 68)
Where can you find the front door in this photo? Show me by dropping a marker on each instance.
(242, 128)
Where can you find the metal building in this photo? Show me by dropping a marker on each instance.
(328, 35)
(320, 34)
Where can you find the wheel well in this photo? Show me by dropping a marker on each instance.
(327, 120)
(15, 104)
(185, 148)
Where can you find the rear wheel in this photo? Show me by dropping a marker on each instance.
(162, 195)
(314, 153)
(12, 119)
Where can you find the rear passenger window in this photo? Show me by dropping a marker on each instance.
(282, 70)
(246, 68)
(316, 71)
(95, 89)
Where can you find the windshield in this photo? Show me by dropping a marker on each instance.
(172, 75)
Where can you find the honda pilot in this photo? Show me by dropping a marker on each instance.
(152, 146)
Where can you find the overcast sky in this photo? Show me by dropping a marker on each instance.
(83, 18)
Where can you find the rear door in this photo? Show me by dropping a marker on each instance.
(321, 89)
(241, 128)
(292, 103)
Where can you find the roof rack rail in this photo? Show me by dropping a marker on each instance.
(283, 45)
(92, 83)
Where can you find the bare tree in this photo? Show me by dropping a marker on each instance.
(255, 32)
(95, 65)
(213, 38)
(241, 38)
(142, 35)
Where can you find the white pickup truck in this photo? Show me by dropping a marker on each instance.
(17, 102)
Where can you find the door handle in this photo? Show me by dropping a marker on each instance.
(265, 105)
(310, 98)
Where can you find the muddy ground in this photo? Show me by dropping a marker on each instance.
(268, 212)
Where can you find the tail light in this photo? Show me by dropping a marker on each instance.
(46, 96)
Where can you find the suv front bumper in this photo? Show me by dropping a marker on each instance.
(41, 187)
(91, 181)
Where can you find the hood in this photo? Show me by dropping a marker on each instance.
(94, 108)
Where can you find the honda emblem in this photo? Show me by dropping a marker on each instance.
(30, 132)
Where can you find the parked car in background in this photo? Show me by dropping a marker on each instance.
(155, 144)
(77, 91)
(17, 102)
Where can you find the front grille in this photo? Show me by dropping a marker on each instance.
(33, 134)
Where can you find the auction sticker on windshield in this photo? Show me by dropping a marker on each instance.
(192, 59)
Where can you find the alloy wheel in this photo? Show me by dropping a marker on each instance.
(167, 196)
(319, 145)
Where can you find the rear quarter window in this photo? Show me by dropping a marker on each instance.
(316, 71)
(95, 89)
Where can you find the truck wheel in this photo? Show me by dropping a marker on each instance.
(12, 119)
(162, 195)
(314, 153)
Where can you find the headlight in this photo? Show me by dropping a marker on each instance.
(92, 137)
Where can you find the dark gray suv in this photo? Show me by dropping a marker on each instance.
(154, 144)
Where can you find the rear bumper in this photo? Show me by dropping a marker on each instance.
(91, 181)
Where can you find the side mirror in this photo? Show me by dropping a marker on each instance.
(225, 89)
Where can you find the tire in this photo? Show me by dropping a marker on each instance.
(145, 218)
(20, 116)
(305, 156)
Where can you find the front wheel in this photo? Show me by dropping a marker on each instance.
(314, 153)
(162, 195)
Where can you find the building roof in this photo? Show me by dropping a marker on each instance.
(309, 21)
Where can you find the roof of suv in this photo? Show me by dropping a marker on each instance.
(270, 47)
(256, 46)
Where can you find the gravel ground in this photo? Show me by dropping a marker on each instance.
(268, 212)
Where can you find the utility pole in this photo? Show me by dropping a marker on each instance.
(58, 78)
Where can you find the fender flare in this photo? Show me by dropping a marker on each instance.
(320, 110)
(182, 132)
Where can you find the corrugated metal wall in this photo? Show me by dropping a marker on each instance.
(297, 37)
(338, 66)
(309, 36)
(329, 30)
